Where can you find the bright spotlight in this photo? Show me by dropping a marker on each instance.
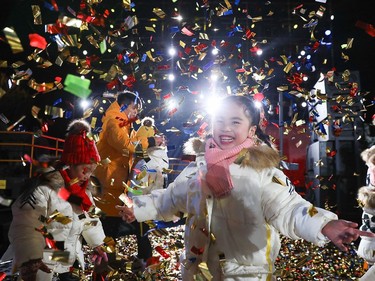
(258, 104)
(84, 104)
(172, 51)
(84, 52)
(211, 104)
(215, 51)
(259, 52)
(327, 32)
(171, 77)
(179, 18)
(171, 105)
(304, 104)
(303, 52)
(214, 77)
(125, 77)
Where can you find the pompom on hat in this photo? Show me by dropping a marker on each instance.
(79, 148)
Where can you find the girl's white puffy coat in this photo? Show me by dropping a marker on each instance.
(237, 236)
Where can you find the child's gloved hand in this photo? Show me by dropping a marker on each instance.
(99, 256)
(29, 269)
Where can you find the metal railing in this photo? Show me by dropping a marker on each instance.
(14, 145)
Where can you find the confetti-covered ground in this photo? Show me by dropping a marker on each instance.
(298, 260)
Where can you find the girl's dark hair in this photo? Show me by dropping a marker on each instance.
(252, 112)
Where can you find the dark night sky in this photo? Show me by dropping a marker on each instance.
(276, 29)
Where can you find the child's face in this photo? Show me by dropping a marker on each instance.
(231, 126)
(81, 172)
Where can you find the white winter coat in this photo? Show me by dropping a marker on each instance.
(28, 243)
(236, 236)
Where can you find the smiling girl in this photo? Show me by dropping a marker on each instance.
(237, 201)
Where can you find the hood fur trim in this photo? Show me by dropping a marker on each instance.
(258, 157)
(366, 197)
(52, 178)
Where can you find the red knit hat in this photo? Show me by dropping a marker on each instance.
(78, 147)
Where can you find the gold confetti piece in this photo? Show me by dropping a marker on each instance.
(312, 211)
(278, 180)
(141, 175)
(150, 28)
(13, 40)
(60, 256)
(159, 12)
(36, 14)
(288, 67)
(11, 127)
(55, 112)
(205, 271)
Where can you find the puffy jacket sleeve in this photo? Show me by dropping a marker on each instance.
(166, 204)
(289, 213)
(27, 242)
(121, 139)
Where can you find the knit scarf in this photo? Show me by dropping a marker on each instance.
(218, 177)
(78, 193)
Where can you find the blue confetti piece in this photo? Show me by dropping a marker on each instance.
(68, 114)
(227, 13)
(174, 29)
(151, 86)
(48, 6)
(123, 108)
(57, 101)
(208, 65)
(322, 129)
(230, 33)
(126, 59)
(144, 57)
(236, 2)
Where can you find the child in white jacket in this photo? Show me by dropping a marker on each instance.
(237, 202)
(366, 199)
(52, 216)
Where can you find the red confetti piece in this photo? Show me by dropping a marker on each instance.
(163, 253)
(368, 28)
(197, 251)
(64, 193)
(37, 41)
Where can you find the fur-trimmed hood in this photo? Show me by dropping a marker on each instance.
(51, 177)
(258, 157)
(366, 198)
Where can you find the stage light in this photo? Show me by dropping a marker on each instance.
(303, 52)
(84, 104)
(259, 52)
(171, 77)
(84, 52)
(171, 105)
(304, 104)
(214, 77)
(125, 77)
(215, 51)
(327, 32)
(258, 104)
(172, 51)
